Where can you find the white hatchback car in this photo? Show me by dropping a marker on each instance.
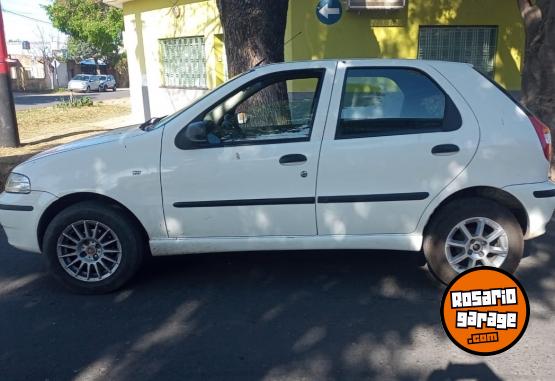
(84, 83)
(361, 154)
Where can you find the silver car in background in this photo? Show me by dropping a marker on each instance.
(107, 82)
(84, 83)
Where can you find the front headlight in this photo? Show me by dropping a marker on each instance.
(18, 183)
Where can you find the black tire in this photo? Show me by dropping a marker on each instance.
(88, 89)
(454, 213)
(114, 89)
(130, 237)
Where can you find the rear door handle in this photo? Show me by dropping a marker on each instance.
(293, 159)
(445, 149)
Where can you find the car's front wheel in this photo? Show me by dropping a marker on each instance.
(470, 233)
(93, 248)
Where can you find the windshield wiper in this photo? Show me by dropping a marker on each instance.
(150, 123)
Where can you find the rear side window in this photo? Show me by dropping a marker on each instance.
(393, 101)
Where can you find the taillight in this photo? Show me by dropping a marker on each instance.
(544, 134)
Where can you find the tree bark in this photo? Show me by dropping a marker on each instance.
(538, 74)
(254, 30)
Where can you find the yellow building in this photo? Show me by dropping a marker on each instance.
(176, 47)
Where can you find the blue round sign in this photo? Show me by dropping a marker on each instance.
(329, 11)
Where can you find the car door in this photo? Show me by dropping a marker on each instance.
(396, 135)
(256, 174)
(93, 82)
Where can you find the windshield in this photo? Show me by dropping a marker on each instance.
(168, 118)
(102, 77)
(81, 78)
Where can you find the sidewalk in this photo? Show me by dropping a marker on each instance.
(31, 100)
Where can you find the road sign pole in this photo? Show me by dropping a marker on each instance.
(9, 136)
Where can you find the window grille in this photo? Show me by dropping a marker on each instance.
(183, 62)
(473, 45)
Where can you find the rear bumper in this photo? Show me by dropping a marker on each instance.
(539, 201)
(20, 215)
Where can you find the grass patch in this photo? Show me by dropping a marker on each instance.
(44, 128)
(76, 102)
(38, 124)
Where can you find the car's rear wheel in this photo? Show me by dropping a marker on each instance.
(88, 89)
(470, 233)
(93, 248)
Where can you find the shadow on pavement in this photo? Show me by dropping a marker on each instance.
(258, 316)
(58, 137)
(454, 372)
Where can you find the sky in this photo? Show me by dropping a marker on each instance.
(22, 18)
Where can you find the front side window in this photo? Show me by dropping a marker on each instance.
(272, 109)
(391, 101)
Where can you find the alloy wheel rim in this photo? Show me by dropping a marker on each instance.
(474, 242)
(89, 251)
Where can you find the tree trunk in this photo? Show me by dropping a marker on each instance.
(254, 30)
(538, 74)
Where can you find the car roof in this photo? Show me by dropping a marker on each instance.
(377, 61)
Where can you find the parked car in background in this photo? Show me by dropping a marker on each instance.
(84, 83)
(107, 82)
(358, 154)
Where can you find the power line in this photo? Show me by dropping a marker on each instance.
(27, 17)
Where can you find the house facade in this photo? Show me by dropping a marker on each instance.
(176, 48)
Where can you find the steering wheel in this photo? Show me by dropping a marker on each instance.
(229, 123)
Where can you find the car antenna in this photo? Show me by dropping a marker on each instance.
(284, 45)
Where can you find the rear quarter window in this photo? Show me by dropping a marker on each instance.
(393, 101)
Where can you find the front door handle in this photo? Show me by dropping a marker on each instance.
(293, 159)
(445, 150)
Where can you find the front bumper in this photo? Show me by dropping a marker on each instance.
(539, 201)
(20, 215)
(76, 88)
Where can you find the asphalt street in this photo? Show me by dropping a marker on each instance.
(24, 101)
(330, 315)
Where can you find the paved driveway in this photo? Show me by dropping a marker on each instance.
(327, 315)
(24, 101)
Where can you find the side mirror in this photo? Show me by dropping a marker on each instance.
(196, 132)
(194, 135)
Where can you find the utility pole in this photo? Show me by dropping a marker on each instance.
(9, 136)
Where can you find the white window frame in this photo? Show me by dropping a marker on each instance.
(375, 4)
